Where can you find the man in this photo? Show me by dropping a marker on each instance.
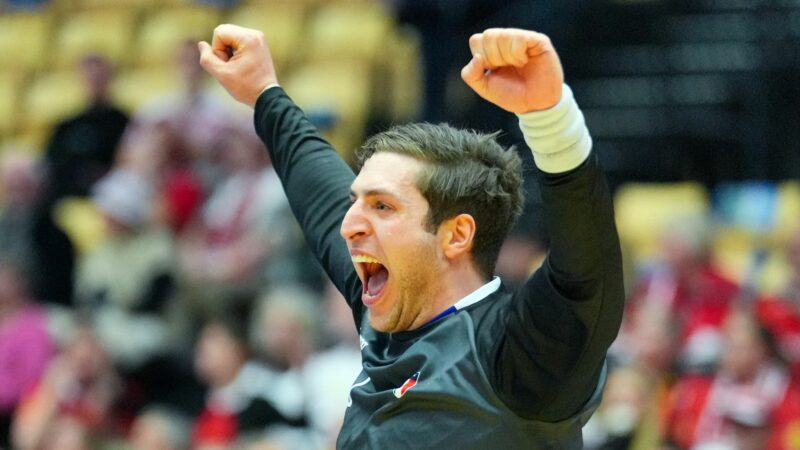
(450, 358)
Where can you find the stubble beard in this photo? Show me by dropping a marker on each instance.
(416, 285)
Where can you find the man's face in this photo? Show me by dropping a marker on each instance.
(396, 257)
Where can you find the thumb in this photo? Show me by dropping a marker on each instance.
(474, 74)
(209, 59)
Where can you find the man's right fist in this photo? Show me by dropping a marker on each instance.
(240, 60)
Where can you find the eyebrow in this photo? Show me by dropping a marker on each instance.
(375, 192)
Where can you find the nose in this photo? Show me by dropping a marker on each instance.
(354, 224)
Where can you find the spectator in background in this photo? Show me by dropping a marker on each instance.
(25, 345)
(620, 422)
(73, 401)
(29, 235)
(82, 148)
(329, 373)
(687, 286)
(159, 428)
(235, 405)
(197, 114)
(649, 341)
(631, 416)
(67, 433)
(160, 155)
(285, 327)
(735, 408)
(244, 237)
(781, 314)
(126, 283)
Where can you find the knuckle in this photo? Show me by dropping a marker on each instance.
(544, 38)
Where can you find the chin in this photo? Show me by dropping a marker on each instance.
(383, 324)
(378, 325)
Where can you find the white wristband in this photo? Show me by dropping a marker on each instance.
(557, 136)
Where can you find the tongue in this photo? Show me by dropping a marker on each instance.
(377, 281)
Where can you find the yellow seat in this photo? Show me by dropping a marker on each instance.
(81, 221)
(52, 97)
(348, 31)
(787, 220)
(24, 40)
(644, 210)
(10, 86)
(139, 4)
(135, 87)
(103, 31)
(165, 29)
(273, 3)
(338, 88)
(282, 25)
(397, 95)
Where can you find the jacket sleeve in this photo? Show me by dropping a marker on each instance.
(317, 183)
(548, 361)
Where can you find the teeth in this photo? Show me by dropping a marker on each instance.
(364, 259)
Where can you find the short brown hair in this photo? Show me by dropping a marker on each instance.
(466, 172)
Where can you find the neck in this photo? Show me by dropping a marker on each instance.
(453, 286)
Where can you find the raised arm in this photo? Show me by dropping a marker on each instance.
(548, 362)
(316, 180)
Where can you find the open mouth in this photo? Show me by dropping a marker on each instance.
(374, 277)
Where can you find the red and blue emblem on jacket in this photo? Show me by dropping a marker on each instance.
(410, 383)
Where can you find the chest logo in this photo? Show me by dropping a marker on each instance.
(410, 383)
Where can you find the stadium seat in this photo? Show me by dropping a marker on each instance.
(338, 90)
(135, 87)
(787, 220)
(10, 86)
(398, 90)
(105, 31)
(140, 4)
(81, 221)
(279, 3)
(165, 29)
(348, 30)
(24, 40)
(282, 24)
(734, 252)
(52, 97)
(644, 210)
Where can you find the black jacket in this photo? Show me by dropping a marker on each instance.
(520, 369)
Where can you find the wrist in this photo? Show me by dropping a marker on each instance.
(268, 87)
(557, 136)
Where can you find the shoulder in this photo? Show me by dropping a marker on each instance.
(490, 315)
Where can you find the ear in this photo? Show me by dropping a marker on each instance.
(456, 235)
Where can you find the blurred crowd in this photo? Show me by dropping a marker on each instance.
(192, 315)
(156, 292)
(702, 362)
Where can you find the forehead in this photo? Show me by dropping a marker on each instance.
(393, 173)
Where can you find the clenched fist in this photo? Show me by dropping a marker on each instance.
(517, 70)
(240, 60)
